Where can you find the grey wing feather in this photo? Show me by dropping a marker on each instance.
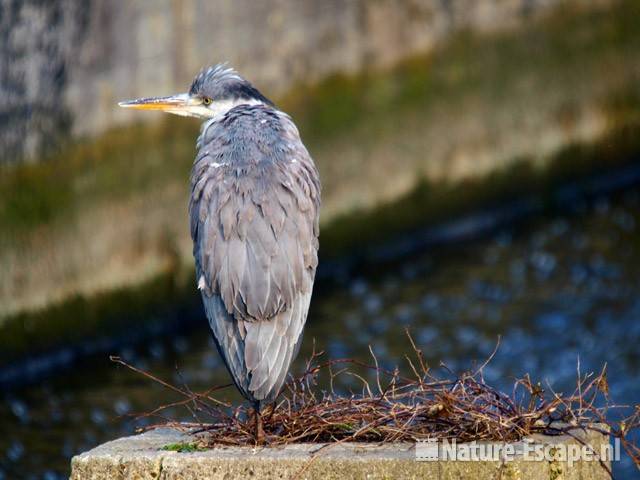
(271, 345)
(228, 339)
(254, 221)
(258, 354)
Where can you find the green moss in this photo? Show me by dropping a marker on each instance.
(561, 50)
(183, 447)
(347, 427)
(122, 162)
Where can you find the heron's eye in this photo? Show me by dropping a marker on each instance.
(207, 101)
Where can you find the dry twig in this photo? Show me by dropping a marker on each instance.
(410, 407)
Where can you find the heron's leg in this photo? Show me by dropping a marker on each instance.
(259, 432)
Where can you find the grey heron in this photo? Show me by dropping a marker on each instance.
(254, 209)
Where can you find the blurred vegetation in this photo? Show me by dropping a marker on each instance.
(122, 162)
(564, 44)
(137, 159)
(130, 160)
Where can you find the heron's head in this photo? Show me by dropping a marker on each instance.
(214, 91)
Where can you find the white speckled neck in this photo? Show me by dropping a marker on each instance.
(219, 109)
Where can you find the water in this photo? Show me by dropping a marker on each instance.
(556, 289)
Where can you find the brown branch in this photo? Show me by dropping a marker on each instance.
(415, 405)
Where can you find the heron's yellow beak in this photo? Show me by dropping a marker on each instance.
(181, 104)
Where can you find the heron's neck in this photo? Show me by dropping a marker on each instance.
(220, 109)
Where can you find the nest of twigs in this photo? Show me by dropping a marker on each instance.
(404, 406)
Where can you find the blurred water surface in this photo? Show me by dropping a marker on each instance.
(555, 288)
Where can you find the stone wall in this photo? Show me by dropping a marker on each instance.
(65, 63)
(143, 456)
(478, 105)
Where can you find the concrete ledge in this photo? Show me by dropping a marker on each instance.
(143, 457)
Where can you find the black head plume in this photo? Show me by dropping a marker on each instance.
(221, 82)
